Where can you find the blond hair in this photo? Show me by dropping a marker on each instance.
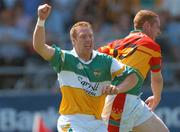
(142, 16)
(78, 24)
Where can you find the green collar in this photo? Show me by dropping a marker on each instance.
(136, 30)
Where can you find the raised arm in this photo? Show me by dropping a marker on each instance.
(39, 41)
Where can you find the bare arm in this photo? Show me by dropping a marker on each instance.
(125, 86)
(39, 43)
(156, 86)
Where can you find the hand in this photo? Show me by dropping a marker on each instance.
(152, 102)
(44, 11)
(110, 89)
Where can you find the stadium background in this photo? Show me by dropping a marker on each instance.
(28, 84)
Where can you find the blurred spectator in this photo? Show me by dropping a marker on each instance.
(67, 7)
(111, 9)
(89, 10)
(145, 4)
(11, 50)
(172, 6)
(22, 21)
(9, 3)
(30, 7)
(163, 39)
(173, 32)
(2, 5)
(116, 30)
(92, 11)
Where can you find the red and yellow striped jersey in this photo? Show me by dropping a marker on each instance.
(136, 50)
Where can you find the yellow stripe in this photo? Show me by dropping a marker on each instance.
(111, 51)
(75, 100)
(118, 72)
(150, 51)
(139, 60)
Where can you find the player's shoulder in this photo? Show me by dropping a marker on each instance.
(149, 43)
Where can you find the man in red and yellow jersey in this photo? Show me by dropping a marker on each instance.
(140, 51)
(136, 50)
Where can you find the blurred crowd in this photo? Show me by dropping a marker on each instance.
(21, 68)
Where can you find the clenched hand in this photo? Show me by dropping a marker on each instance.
(44, 11)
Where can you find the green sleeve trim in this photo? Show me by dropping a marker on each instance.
(155, 67)
(118, 79)
(56, 60)
(136, 90)
(129, 70)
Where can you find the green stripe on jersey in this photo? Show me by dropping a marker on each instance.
(155, 67)
(96, 71)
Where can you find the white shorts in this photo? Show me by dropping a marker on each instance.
(80, 123)
(135, 112)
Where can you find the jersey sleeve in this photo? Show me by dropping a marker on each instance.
(155, 63)
(119, 69)
(107, 49)
(57, 60)
(123, 73)
(156, 60)
(113, 48)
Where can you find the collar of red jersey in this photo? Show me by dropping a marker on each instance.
(136, 30)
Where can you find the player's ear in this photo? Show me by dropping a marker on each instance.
(73, 41)
(146, 25)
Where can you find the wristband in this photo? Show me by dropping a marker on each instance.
(40, 22)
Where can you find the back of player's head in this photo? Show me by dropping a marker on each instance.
(142, 16)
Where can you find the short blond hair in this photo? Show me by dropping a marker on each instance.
(78, 24)
(142, 16)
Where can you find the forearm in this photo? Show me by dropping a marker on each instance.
(39, 37)
(128, 83)
(157, 85)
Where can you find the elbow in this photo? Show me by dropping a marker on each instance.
(38, 48)
(35, 47)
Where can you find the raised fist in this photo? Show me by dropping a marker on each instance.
(44, 11)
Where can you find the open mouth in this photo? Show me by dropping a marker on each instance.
(88, 47)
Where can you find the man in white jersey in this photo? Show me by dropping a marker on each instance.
(84, 75)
